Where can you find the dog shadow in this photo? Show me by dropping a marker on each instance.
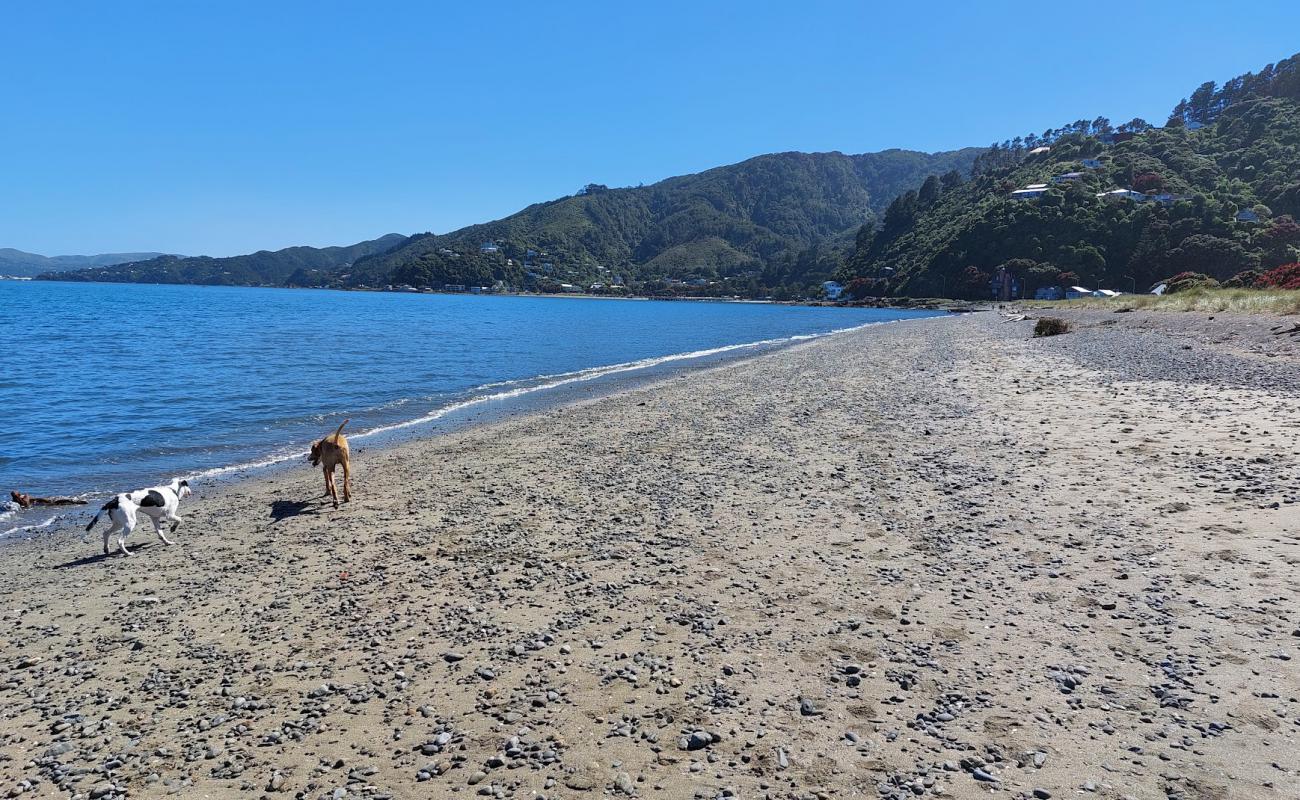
(283, 509)
(98, 557)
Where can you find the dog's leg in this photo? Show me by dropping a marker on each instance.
(334, 490)
(347, 482)
(121, 537)
(158, 529)
(108, 534)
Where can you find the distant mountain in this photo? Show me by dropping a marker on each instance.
(21, 264)
(759, 219)
(779, 219)
(1216, 191)
(292, 265)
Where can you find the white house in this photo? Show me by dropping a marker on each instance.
(1075, 292)
(1038, 150)
(489, 247)
(1030, 192)
(833, 290)
(1105, 293)
(1122, 194)
(1066, 177)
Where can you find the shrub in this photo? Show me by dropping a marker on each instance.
(1051, 326)
(1286, 276)
(1186, 281)
(1245, 279)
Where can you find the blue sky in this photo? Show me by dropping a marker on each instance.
(223, 128)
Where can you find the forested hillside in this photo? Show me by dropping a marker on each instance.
(781, 220)
(1215, 191)
(300, 266)
(749, 221)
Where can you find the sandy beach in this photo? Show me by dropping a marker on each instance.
(932, 558)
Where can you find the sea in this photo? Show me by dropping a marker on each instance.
(110, 387)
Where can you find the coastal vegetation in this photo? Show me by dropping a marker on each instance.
(1215, 192)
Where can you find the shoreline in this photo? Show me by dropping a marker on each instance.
(896, 303)
(914, 560)
(537, 394)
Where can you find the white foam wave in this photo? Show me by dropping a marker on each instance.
(535, 384)
(23, 528)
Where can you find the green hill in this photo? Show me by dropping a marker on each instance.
(755, 216)
(1216, 192)
(20, 264)
(290, 266)
(762, 223)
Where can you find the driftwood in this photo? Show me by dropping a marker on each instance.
(1293, 330)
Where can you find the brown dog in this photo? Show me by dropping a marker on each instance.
(328, 453)
(27, 501)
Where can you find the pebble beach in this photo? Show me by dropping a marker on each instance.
(935, 558)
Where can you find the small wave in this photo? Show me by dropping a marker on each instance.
(536, 383)
(565, 378)
(23, 528)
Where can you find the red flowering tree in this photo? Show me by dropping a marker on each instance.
(1286, 276)
(862, 288)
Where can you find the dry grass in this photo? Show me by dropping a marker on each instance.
(1241, 301)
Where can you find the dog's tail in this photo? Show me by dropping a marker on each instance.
(340, 430)
(109, 506)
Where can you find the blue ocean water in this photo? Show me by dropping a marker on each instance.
(107, 387)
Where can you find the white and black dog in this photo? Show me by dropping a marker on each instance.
(157, 502)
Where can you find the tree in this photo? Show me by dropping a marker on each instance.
(1278, 242)
(1212, 255)
(930, 191)
(1148, 182)
(950, 180)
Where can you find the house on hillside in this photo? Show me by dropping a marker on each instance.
(1067, 177)
(1246, 215)
(1122, 194)
(1075, 292)
(1090, 163)
(833, 289)
(489, 247)
(1040, 150)
(1030, 192)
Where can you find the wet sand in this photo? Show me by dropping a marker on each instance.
(936, 558)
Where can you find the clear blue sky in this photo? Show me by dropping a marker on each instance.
(222, 128)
